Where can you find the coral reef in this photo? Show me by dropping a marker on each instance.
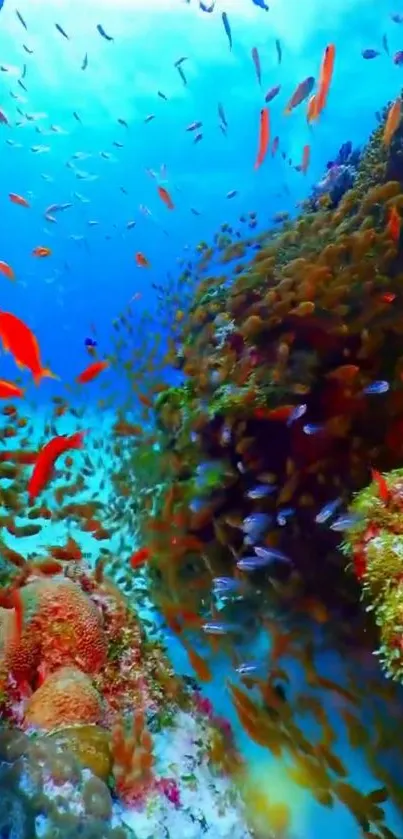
(374, 543)
(292, 392)
(89, 697)
(338, 179)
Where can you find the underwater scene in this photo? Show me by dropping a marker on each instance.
(201, 419)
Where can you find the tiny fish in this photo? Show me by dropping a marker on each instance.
(205, 8)
(162, 95)
(385, 44)
(260, 491)
(227, 28)
(256, 522)
(251, 563)
(256, 61)
(327, 511)
(222, 585)
(261, 5)
(221, 114)
(345, 522)
(180, 60)
(213, 628)
(90, 342)
(271, 555)
(272, 93)
(397, 18)
(312, 428)
(102, 32)
(85, 62)
(377, 387)
(283, 516)
(182, 75)
(279, 52)
(398, 58)
(232, 193)
(21, 19)
(62, 32)
(299, 412)
(370, 53)
(246, 668)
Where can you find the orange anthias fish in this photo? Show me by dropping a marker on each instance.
(9, 389)
(6, 269)
(21, 342)
(325, 78)
(47, 458)
(142, 260)
(18, 199)
(394, 224)
(41, 251)
(392, 121)
(166, 198)
(92, 371)
(264, 137)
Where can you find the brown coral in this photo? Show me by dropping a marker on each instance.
(91, 746)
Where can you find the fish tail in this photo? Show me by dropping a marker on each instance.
(45, 373)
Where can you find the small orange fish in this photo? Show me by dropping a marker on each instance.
(9, 389)
(41, 251)
(7, 270)
(392, 121)
(264, 136)
(166, 198)
(92, 371)
(47, 457)
(394, 224)
(21, 342)
(325, 78)
(311, 109)
(18, 199)
(142, 260)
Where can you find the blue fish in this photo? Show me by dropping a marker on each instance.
(327, 511)
(261, 490)
(370, 53)
(256, 523)
(271, 555)
(205, 8)
(225, 585)
(297, 413)
(215, 628)
(227, 28)
(346, 522)
(260, 4)
(90, 342)
(312, 428)
(251, 563)
(377, 387)
(102, 32)
(284, 515)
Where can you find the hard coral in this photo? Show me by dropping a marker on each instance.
(67, 697)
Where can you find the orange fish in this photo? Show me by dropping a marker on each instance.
(41, 251)
(18, 199)
(264, 137)
(142, 260)
(325, 78)
(166, 198)
(139, 558)
(394, 224)
(392, 121)
(92, 371)
(9, 389)
(7, 270)
(46, 459)
(21, 342)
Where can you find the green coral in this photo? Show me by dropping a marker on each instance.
(389, 618)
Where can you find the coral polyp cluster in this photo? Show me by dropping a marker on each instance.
(375, 545)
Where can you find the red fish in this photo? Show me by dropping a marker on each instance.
(92, 371)
(21, 342)
(264, 136)
(9, 390)
(139, 558)
(47, 458)
(166, 198)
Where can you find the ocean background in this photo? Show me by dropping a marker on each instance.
(91, 275)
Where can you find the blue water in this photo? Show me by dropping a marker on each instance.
(91, 274)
